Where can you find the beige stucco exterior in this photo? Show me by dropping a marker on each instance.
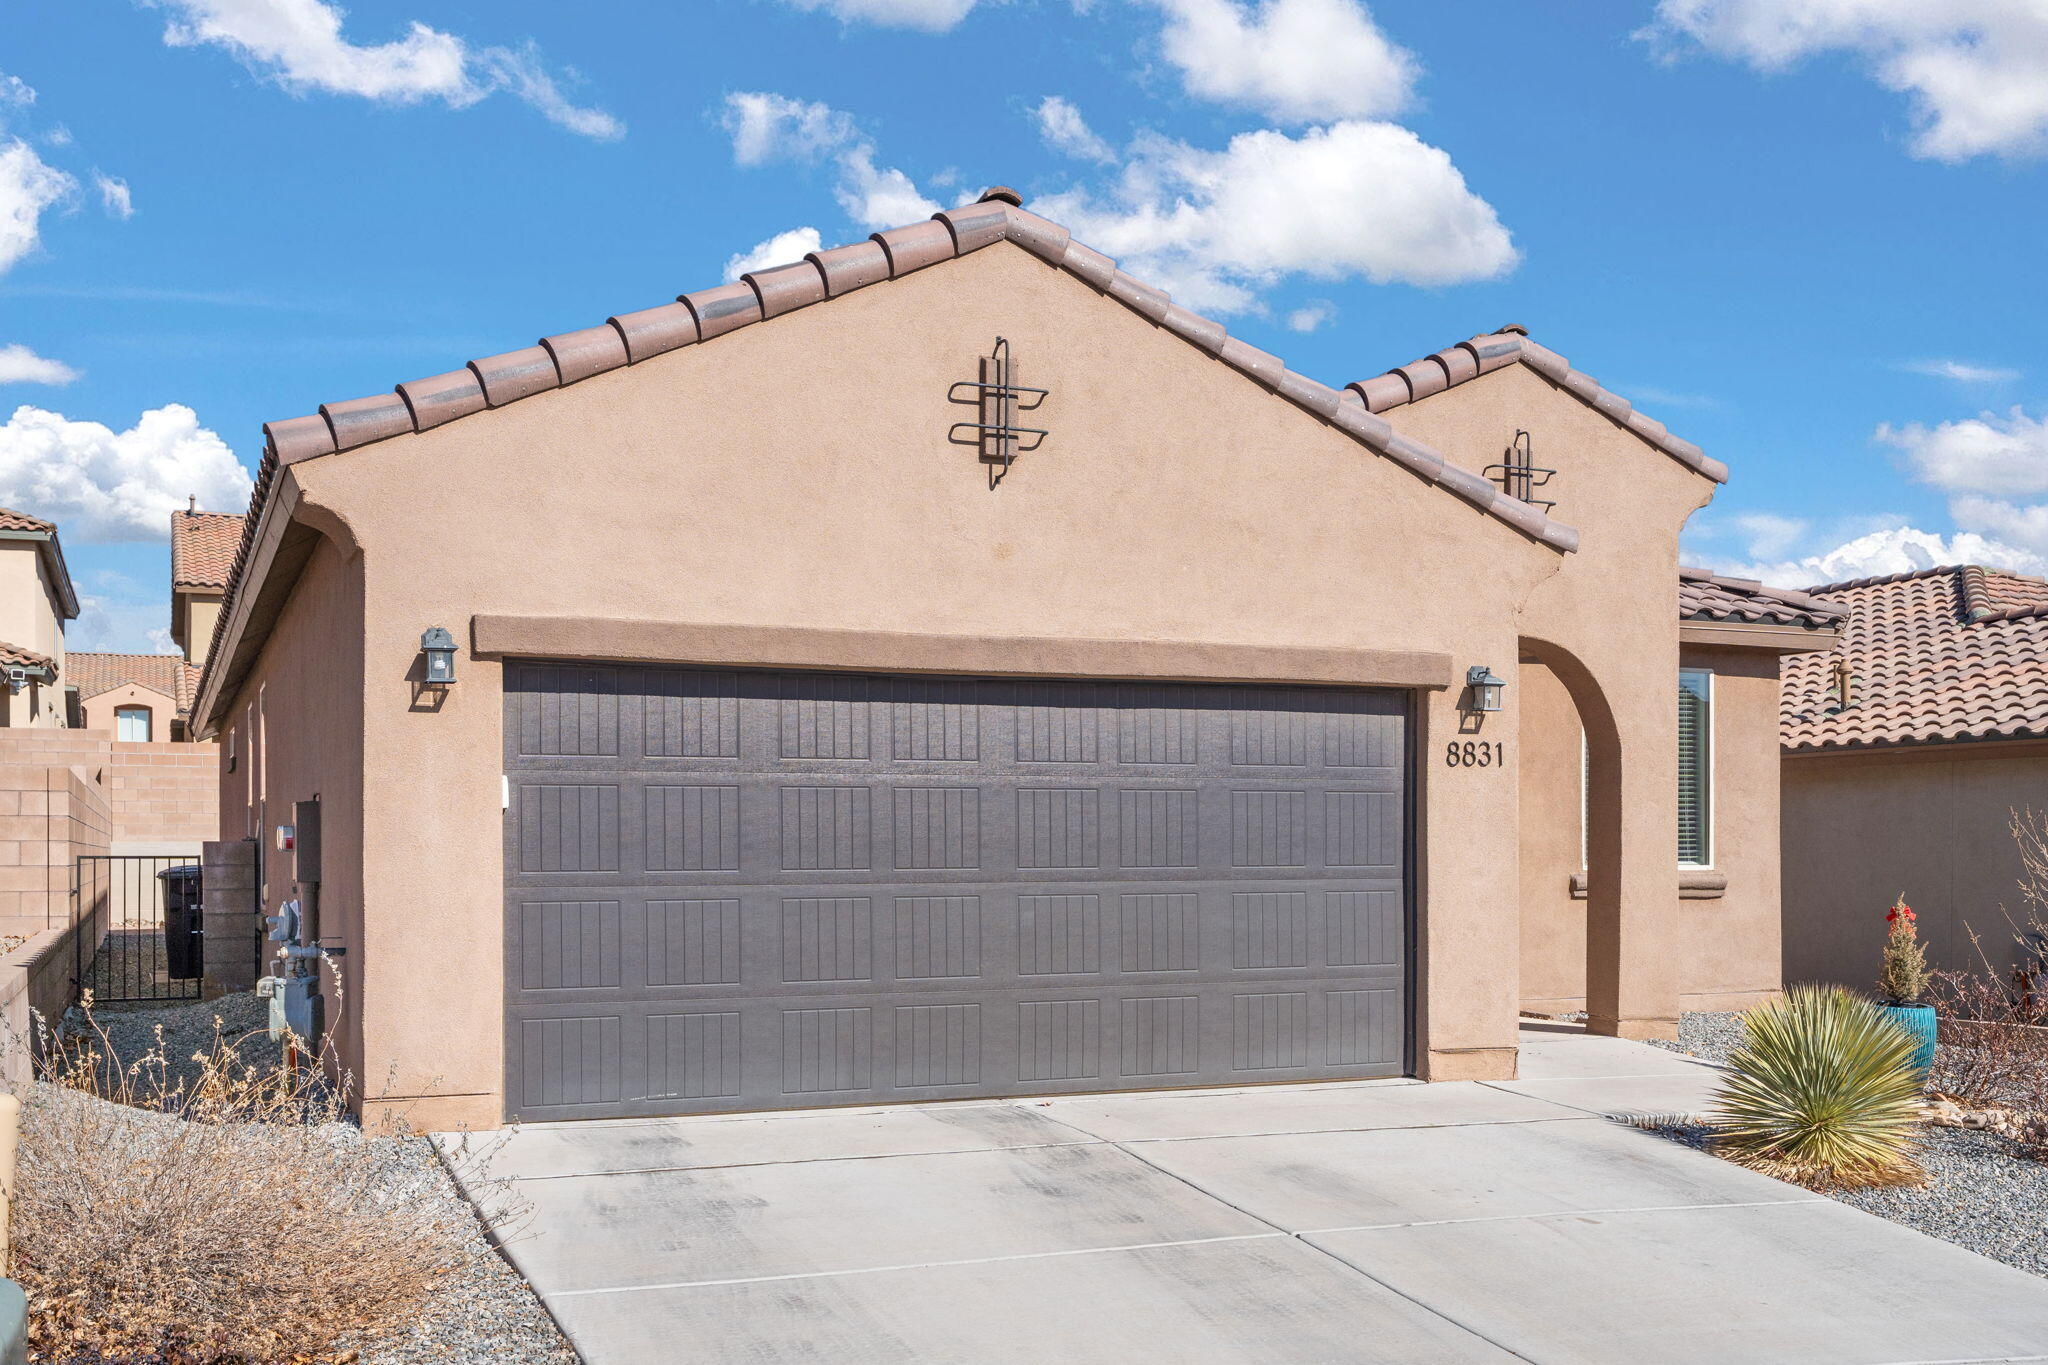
(31, 617)
(794, 481)
(99, 709)
(193, 614)
(1932, 823)
(1728, 908)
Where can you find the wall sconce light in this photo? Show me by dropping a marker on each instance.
(1485, 687)
(439, 647)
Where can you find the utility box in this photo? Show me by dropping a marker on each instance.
(306, 848)
(294, 1006)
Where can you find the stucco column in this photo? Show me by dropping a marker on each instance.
(1633, 940)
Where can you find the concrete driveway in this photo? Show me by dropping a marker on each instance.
(1364, 1222)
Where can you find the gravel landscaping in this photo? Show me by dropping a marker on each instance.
(1980, 1194)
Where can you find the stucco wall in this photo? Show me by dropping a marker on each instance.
(194, 615)
(797, 474)
(100, 707)
(1859, 829)
(1728, 940)
(296, 736)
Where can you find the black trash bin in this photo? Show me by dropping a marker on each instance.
(181, 922)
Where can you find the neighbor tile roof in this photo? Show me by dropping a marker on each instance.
(1953, 653)
(203, 546)
(25, 658)
(1491, 351)
(1707, 596)
(168, 674)
(11, 520)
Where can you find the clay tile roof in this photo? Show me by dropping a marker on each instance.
(11, 520)
(1509, 345)
(1707, 596)
(203, 548)
(25, 658)
(1945, 654)
(168, 674)
(697, 317)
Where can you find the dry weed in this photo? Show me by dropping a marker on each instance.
(230, 1215)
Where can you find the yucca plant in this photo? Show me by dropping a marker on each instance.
(1823, 1092)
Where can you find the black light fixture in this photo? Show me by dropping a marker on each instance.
(1485, 687)
(439, 647)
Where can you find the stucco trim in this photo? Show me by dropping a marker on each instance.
(881, 651)
(1694, 884)
(2029, 744)
(1750, 635)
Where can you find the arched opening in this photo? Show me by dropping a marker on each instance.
(1629, 879)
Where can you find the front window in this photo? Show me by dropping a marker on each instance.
(1695, 767)
(131, 723)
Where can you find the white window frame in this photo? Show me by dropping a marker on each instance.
(123, 714)
(1713, 758)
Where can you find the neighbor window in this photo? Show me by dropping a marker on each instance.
(131, 723)
(1695, 767)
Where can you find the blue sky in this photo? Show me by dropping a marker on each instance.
(1804, 233)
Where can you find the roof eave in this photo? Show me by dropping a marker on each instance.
(1759, 635)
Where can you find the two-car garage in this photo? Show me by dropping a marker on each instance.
(738, 890)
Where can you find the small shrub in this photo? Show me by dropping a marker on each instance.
(1822, 1092)
(232, 1214)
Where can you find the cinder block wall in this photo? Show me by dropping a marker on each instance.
(48, 817)
(163, 797)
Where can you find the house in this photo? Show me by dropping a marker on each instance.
(1908, 749)
(944, 666)
(146, 697)
(36, 599)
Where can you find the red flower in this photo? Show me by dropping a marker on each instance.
(1901, 911)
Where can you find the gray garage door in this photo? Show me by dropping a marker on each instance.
(751, 890)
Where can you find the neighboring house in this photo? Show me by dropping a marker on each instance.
(944, 667)
(36, 599)
(135, 697)
(203, 548)
(146, 697)
(1908, 784)
(1733, 632)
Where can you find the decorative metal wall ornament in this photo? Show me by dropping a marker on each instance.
(999, 398)
(1518, 474)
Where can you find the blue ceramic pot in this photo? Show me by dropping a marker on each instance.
(1919, 1023)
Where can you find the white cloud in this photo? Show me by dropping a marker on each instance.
(768, 127)
(765, 127)
(1349, 200)
(1962, 371)
(1065, 131)
(129, 623)
(781, 249)
(28, 185)
(931, 16)
(20, 365)
(1311, 315)
(1770, 535)
(1298, 61)
(1898, 549)
(2003, 456)
(1975, 71)
(101, 485)
(15, 93)
(114, 196)
(299, 45)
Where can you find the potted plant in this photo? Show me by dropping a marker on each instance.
(1902, 980)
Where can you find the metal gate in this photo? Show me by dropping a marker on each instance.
(137, 927)
(737, 890)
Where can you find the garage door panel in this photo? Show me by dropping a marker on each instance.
(732, 890)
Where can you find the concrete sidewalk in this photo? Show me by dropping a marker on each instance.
(1379, 1221)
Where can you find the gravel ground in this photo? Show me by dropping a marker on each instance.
(132, 1033)
(1708, 1036)
(485, 1312)
(1979, 1195)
